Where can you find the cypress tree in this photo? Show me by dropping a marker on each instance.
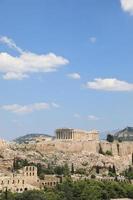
(97, 169)
(72, 169)
(132, 158)
(110, 169)
(114, 170)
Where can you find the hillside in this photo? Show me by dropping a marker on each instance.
(125, 134)
(30, 137)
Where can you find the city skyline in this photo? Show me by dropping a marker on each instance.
(65, 64)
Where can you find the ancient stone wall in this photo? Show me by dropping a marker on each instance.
(68, 146)
(117, 148)
(91, 146)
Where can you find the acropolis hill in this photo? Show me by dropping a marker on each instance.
(82, 148)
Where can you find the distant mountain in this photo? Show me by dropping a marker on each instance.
(125, 134)
(30, 137)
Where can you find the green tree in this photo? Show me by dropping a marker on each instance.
(90, 192)
(101, 150)
(109, 153)
(97, 169)
(58, 170)
(52, 195)
(81, 171)
(7, 196)
(31, 195)
(72, 169)
(114, 170)
(110, 138)
(66, 170)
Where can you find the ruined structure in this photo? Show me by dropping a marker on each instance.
(76, 134)
(81, 148)
(69, 140)
(26, 179)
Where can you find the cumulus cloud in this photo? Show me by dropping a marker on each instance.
(93, 39)
(127, 6)
(19, 67)
(74, 76)
(92, 118)
(25, 109)
(109, 84)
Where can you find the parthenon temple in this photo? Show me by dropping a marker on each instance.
(76, 134)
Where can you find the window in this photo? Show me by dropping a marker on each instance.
(23, 182)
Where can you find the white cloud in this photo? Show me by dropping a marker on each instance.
(10, 43)
(74, 76)
(92, 118)
(109, 84)
(15, 76)
(25, 109)
(93, 39)
(127, 6)
(76, 115)
(19, 67)
(55, 105)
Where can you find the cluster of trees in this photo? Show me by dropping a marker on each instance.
(80, 190)
(59, 170)
(42, 170)
(19, 163)
(110, 138)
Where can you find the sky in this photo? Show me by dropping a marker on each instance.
(65, 64)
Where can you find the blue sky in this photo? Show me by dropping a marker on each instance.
(65, 64)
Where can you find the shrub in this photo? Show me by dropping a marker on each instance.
(109, 153)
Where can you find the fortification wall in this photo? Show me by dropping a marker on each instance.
(68, 146)
(107, 146)
(45, 147)
(125, 148)
(120, 149)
